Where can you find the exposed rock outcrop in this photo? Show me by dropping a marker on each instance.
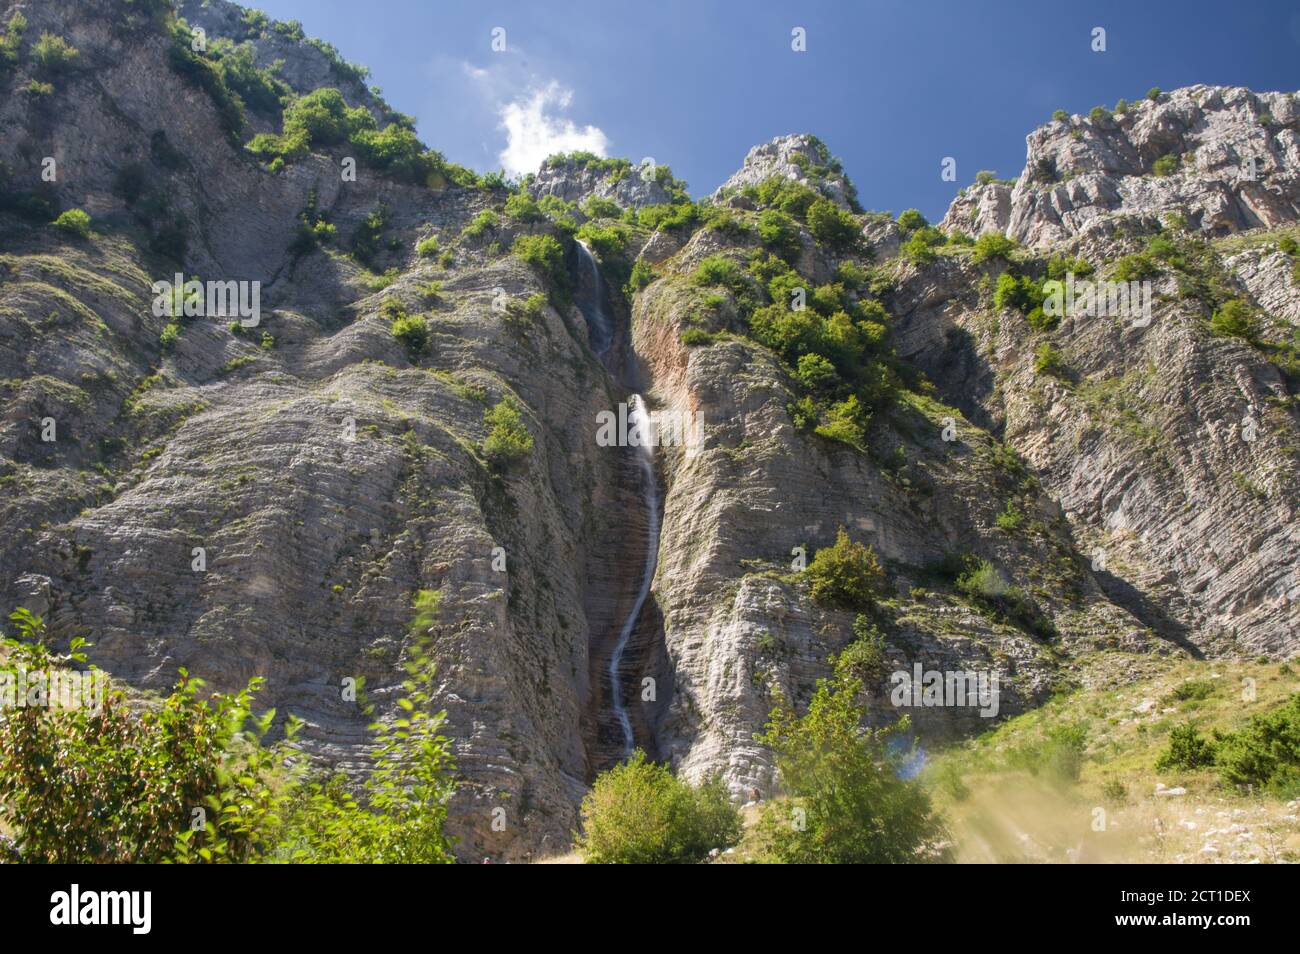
(800, 158)
(1223, 158)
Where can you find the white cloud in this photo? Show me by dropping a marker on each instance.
(534, 130)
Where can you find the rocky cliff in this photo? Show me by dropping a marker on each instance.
(273, 500)
(1224, 158)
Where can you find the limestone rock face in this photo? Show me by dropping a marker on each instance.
(246, 506)
(576, 180)
(1171, 451)
(1224, 158)
(801, 158)
(980, 209)
(739, 626)
(278, 45)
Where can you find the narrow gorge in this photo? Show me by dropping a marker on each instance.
(626, 637)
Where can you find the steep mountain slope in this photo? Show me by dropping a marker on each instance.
(341, 480)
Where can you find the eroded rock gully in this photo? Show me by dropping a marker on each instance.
(628, 668)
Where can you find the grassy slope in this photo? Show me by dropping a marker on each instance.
(1010, 814)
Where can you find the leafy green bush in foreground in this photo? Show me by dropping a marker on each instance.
(1264, 753)
(189, 780)
(846, 800)
(640, 813)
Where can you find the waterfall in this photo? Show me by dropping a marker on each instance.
(600, 335)
(641, 426)
(639, 466)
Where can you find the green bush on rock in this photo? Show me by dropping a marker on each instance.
(846, 574)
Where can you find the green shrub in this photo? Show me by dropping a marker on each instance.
(1121, 106)
(1061, 116)
(608, 242)
(831, 225)
(791, 197)
(171, 333)
(1186, 750)
(599, 208)
(1135, 268)
(864, 658)
(920, 246)
(917, 250)
(1058, 266)
(1166, 165)
(993, 245)
(846, 421)
(1234, 319)
(1192, 690)
(365, 239)
(816, 373)
(803, 414)
(545, 254)
(1011, 518)
(640, 813)
(53, 54)
(555, 207)
(428, 247)
(980, 579)
(779, 232)
(1099, 115)
(1021, 293)
(718, 270)
(1049, 361)
(206, 74)
(852, 274)
(121, 783)
(1113, 790)
(910, 220)
(1058, 755)
(323, 118)
(671, 217)
(695, 338)
(1153, 93)
(1288, 246)
(259, 89)
(1265, 752)
(642, 274)
(522, 207)
(75, 221)
(11, 41)
(485, 221)
(726, 223)
(508, 440)
(846, 574)
(534, 305)
(313, 231)
(411, 330)
(846, 800)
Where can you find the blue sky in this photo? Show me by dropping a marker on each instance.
(892, 87)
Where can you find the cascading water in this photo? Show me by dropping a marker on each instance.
(600, 332)
(645, 454)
